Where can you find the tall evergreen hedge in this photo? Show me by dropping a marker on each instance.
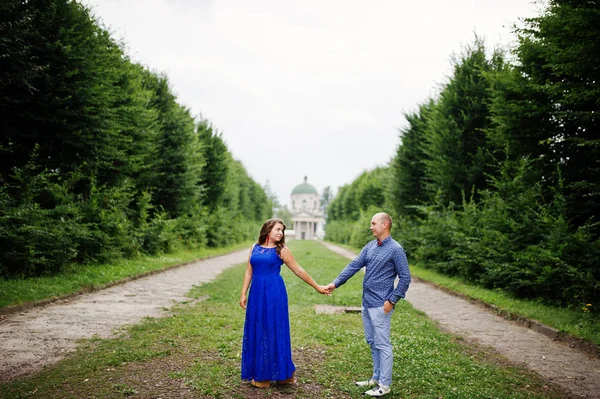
(99, 160)
(496, 178)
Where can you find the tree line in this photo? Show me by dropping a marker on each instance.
(99, 160)
(497, 177)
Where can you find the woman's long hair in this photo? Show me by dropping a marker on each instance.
(265, 230)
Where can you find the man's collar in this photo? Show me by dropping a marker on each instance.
(380, 242)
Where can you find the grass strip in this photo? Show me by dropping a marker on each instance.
(195, 352)
(85, 278)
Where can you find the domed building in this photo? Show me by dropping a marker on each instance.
(306, 212)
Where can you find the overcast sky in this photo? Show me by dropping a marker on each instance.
(301, 87)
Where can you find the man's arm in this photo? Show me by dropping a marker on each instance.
(351, 268)
(401, 265)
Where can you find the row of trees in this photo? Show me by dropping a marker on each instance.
(497, 178)
(98, 157)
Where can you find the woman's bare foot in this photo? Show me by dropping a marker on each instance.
(261, 384)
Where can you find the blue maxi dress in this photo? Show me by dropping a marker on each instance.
(266, 346)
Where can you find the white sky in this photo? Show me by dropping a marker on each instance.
(306, 87)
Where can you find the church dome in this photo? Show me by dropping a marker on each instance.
(304, 188)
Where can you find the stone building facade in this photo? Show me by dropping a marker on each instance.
(309, 220)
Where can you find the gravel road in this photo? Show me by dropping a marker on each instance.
(44, 335)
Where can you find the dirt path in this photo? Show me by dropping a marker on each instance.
(40, 336)
(556, 361)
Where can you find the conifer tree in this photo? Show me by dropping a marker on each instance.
(559, 54)
(457, 149)
(216, 164)
(178, 162)
(408, 166)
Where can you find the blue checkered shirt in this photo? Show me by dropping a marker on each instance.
(382, 264)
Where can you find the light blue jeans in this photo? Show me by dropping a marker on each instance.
(377, 334)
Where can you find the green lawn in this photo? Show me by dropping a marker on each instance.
(196, 351)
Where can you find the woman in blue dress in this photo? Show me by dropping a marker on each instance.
(266, 347)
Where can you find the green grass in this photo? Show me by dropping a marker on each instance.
(196, 351)
(580, 323)
(82, 278)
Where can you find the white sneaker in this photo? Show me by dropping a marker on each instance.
(378, 391)
(368, 383)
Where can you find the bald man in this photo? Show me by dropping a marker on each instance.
(384, 260)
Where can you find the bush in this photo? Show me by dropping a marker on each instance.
(36, 241)
(513, 240)
(338, 231)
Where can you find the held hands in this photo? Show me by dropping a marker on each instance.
(323, 290)
(329, 288)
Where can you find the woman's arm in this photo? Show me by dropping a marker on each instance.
(290, 261)
(246, 283)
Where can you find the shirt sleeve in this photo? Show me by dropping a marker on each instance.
(351, 268)
(401, 265)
